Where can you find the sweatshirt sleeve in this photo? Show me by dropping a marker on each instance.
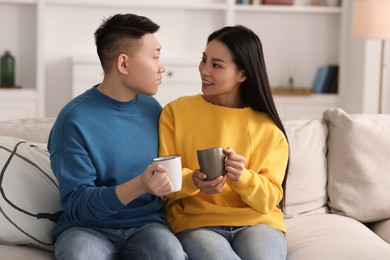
(167, 147)
(80, 197)
(262, 190)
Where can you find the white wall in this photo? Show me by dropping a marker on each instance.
(386, 80)
(361, 82)
(69, 33)
(362, 95)
(295, 48)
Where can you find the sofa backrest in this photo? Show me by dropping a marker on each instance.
(30, 129)
(338, 163)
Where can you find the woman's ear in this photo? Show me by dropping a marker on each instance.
(242, 76)
(121, 63)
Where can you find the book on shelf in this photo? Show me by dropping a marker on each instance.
(248, 2)
(326, 79)
(332, 87)
(264, 2)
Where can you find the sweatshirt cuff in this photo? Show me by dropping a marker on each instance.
(244, 180)
(188, 183)
(111, 200)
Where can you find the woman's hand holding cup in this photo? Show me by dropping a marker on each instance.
(234, 164)
(209, 187)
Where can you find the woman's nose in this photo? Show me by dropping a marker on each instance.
(203, 69)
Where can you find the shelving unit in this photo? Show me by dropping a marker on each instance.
(16, 103)
(18, 2)
(19, 27)
(296, 39)
(289, 9)
(146, 4)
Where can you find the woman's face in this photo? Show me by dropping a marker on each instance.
(221, 79)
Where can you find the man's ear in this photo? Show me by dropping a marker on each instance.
(121, 63)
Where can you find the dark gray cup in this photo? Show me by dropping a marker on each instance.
(212, 162)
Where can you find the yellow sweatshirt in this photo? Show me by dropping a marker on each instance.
(190, 123)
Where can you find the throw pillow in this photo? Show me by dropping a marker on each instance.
(359, 165)
(29, 199)
(307, 176)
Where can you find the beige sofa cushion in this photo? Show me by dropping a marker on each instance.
(11, 252)
(307, 177)
(382, 229)
(359, 165)
(328, 236)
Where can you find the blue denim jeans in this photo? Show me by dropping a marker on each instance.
(222, 243)
(151, 241)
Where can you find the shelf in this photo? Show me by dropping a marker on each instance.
(331, 98)
(304, 107)
(18, 103)
(10, 87)
(146, 4)
(301, 38)
(294, 91)
(16, 2)
(289, 9)
(10, 93)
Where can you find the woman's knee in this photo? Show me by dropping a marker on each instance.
(202, 243)
(260, 242)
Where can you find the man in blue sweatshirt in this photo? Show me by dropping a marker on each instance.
(101, 147)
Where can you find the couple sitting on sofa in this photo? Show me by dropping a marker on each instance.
(103, 141)
(337, 203)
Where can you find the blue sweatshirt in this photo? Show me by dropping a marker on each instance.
(95, 144)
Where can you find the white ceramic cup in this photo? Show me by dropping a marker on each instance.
(173, 165)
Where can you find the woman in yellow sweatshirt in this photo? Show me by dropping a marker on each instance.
(238, 215)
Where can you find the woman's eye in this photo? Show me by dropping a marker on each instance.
(216, 65)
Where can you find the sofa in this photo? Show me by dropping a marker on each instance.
(337, 201)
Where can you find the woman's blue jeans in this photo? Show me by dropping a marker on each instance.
(222, 243)
(151, 241)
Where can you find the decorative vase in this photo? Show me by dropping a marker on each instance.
(7, 69)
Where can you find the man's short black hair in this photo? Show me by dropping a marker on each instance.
(120, 33)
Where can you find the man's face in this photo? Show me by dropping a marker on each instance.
(145, 67)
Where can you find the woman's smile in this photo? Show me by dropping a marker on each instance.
(206, 83)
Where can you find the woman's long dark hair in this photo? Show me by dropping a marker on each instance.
(247, 51)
